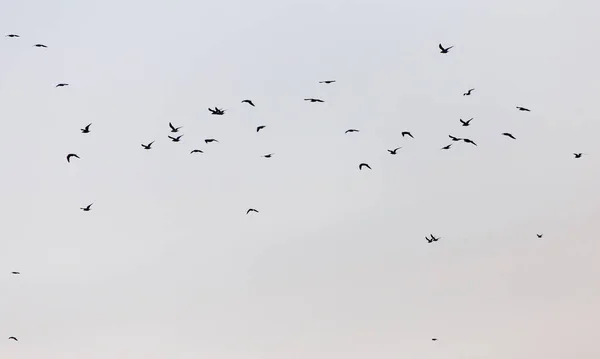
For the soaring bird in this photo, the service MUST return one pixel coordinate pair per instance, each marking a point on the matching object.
(86, 129)
(71, 155)
(39, 45)
(446, 147)
(251, 210)
(209, 140)
(394, 151)
(454, 138)
(466, 123)
(248, 102)
(13, 338)
(62, 85)
(196, 151)
(509, 135)
(175, 139)
(539, 235)
(578, 155)
(469, 141)
(351, 130)
(260, 127)
(468, 93)
(444, 50)
(148, 146)
(326, 81)
(313, 100)
(360, 167)
(15, 273)
(406, 133)
(269, 155)
(12, 35)
(523, 109)
(216, 111)
(173, 128)
(87, 208)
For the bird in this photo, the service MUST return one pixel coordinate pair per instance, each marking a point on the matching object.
(12, 35)
(444, 50)
(176, 139)
(360, 167)
(434, 239)
(446, 147)
(71, 155)
(578, 155)
(196, 151)
(15, 273)
(40, 45)
(434, 339)
(468, 93)
(469, 141)
(260, 127)
(269, 155)
(313, 100)
(523, 109)
(148, 146)
(539, 235)
(454, 138)
(406, 133)
(326, 81)
(173, 128)
(351, 130)
(209, 140)
(86, 129)
(429, 240)
(249, 102)
(394, 151)
(87, 208)
(251, 210)
(216, 111)
(509, 135)
(466, 123)
(62, 85)
(13, 338)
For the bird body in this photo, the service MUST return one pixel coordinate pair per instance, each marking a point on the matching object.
(523, 109)
(40, 45)
(148, 146)
(209, 140)
(173, 128)
(12, 35)
(313, 100)
(269, 155)
(539, 235)
(454, 138)
(466, 123)
(216, 111)
(71, 155)
(15, 273)
(327, 81)
(351, 130)
(394, 151)
(251, 210)
(260, 127)
(87, 208)
(509, 135)
(196, 151)
(176, 139)
(444, 50)
(446, 147)
(62, 85)
(86, 129)
(469, 141)
(360, 166)
(406, 133)
(13, 338)
(248, 102)
(578, 155)
(468, 93)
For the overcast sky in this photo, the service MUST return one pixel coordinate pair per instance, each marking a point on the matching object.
(168, 265)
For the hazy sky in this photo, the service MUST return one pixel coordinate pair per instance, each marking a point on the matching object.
(335, 265)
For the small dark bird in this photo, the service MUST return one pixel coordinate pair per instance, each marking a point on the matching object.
(249, 102)
(62, 85)
(209, 140)
(12, 35)
(394, 151)
(87, 208)
(578, 155)
(466, 123)
(435, 239)
(326, 81)
(15, 273)
(196, 151)
(360, 167)
(468, 93)
(454, 138)
(71, 155)
(313, 100)
(251, 210)
(434, 339)
(446, 147)
(40, 45)
(176, 139)
(406, 133)
(268, 155)
(216, 111)
(86, 129)
(351, 130)
(429, 240)
(469, 141)
(444, 50)
(13, 338)
(148, 146)
(173, 128)
(260, 128)
(539, 235)
(523, 109)
(509, 135)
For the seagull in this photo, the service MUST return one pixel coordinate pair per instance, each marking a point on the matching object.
(148, 146)
(578, 155)
(88, 208)
(469, 141)
(509, 135)
(248, 102)
(39, 45)
(196, 151)
(454, 138)
(351, 130)
(394, 151)
(466, 123)
(360, 167)
(173, 128)
(523, 109)
(444, 50)
(12, 35)
(209, 140)
(71, 155)
(468, 93)
(13, 338)
(268, 155)
(326, 81)
(62, 85)
(260, 128)
(313, 100)
(216, 111)
(86, 129)
(15, 273)
(251, 210)
(406, 133)
(175, 139)
(446, 147)
(539, 235)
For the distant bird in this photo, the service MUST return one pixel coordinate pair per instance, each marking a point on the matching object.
(326, 81)
(539, 235)
(351, 130)
(148, 146)
(313, 100)
(509, 135)
(268, 155)
(173, 128)
(523, 109)
(454, 138)
(71, 155)
(435, 239)
(260, 128)
(434, 339)
(578, 155)
(216, 111)
(468, 93)
(86, 129)
(62, 85)
(87, 208)
(13, 338)
(15, 273)
(429, 240)
(444, 50)
(394, 151)
(249, 102)
(406, 133)
(446, 147)
(40, 45)
(251, 210)
(209, 140)
(12, 35)
(360, 167)
(196, 151)
(469, 141)
(466, 123)
(175, 139)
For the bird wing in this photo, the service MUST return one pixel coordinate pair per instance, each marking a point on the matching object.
(173, 138)
(441, 47)
(171, 125)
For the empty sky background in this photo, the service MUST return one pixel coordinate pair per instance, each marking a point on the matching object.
(335, 265)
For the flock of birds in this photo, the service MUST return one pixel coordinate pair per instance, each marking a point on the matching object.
(220, 112)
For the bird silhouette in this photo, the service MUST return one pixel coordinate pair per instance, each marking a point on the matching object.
(446, 147)
(360, 167)
(13, 338)
(394, 151)
(249, 102)
(454, 138)
(86, 129)
(175, 139)
(251, 210)
(12, 35)
(327, 81)
(260, 128)
(173, 128)
(429, 240)
(509, 135)
(444, 50)
(70, 155)
(209, 140)
(62, 85)
(148, 146)
(469, 141)
(468, 93)
(539, 235)
(87, 208)
(578, 155)
(40, 45)
(434, 239)
(15, 273)
(313, 100)
(434, 339)
(466, 123)
(523, 109)
(196, 151)
(351, 130)
(406, 133)
(268, 155)
(216, 111)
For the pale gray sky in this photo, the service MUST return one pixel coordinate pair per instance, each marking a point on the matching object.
(167, 264)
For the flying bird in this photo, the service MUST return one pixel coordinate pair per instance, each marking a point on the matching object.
(406, 133)
(468, 93)
(260, 128)
(87, 208)
(578, 155)
(313, 100)
(469, 141)
(326, 81)
(509, 135)
(539, 235)
(466, 123)
(434, 239)
(148, 146)
(251, 210)
(249, 102)
(434, 339)
(209, 140)
(40, 45)
(62, 85)
(394, 151)
(429, 240)
(454, 138)
(173, 128)
(86, 129)
(444, 50)
(71, 155)
(446, 147)
(13, 338)
(196, 151)
(360, 167)
(12, 35)
(268, 155)
(175, 139)
(351, 130)
(216, 111)
(523, 109)
(15, 273)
